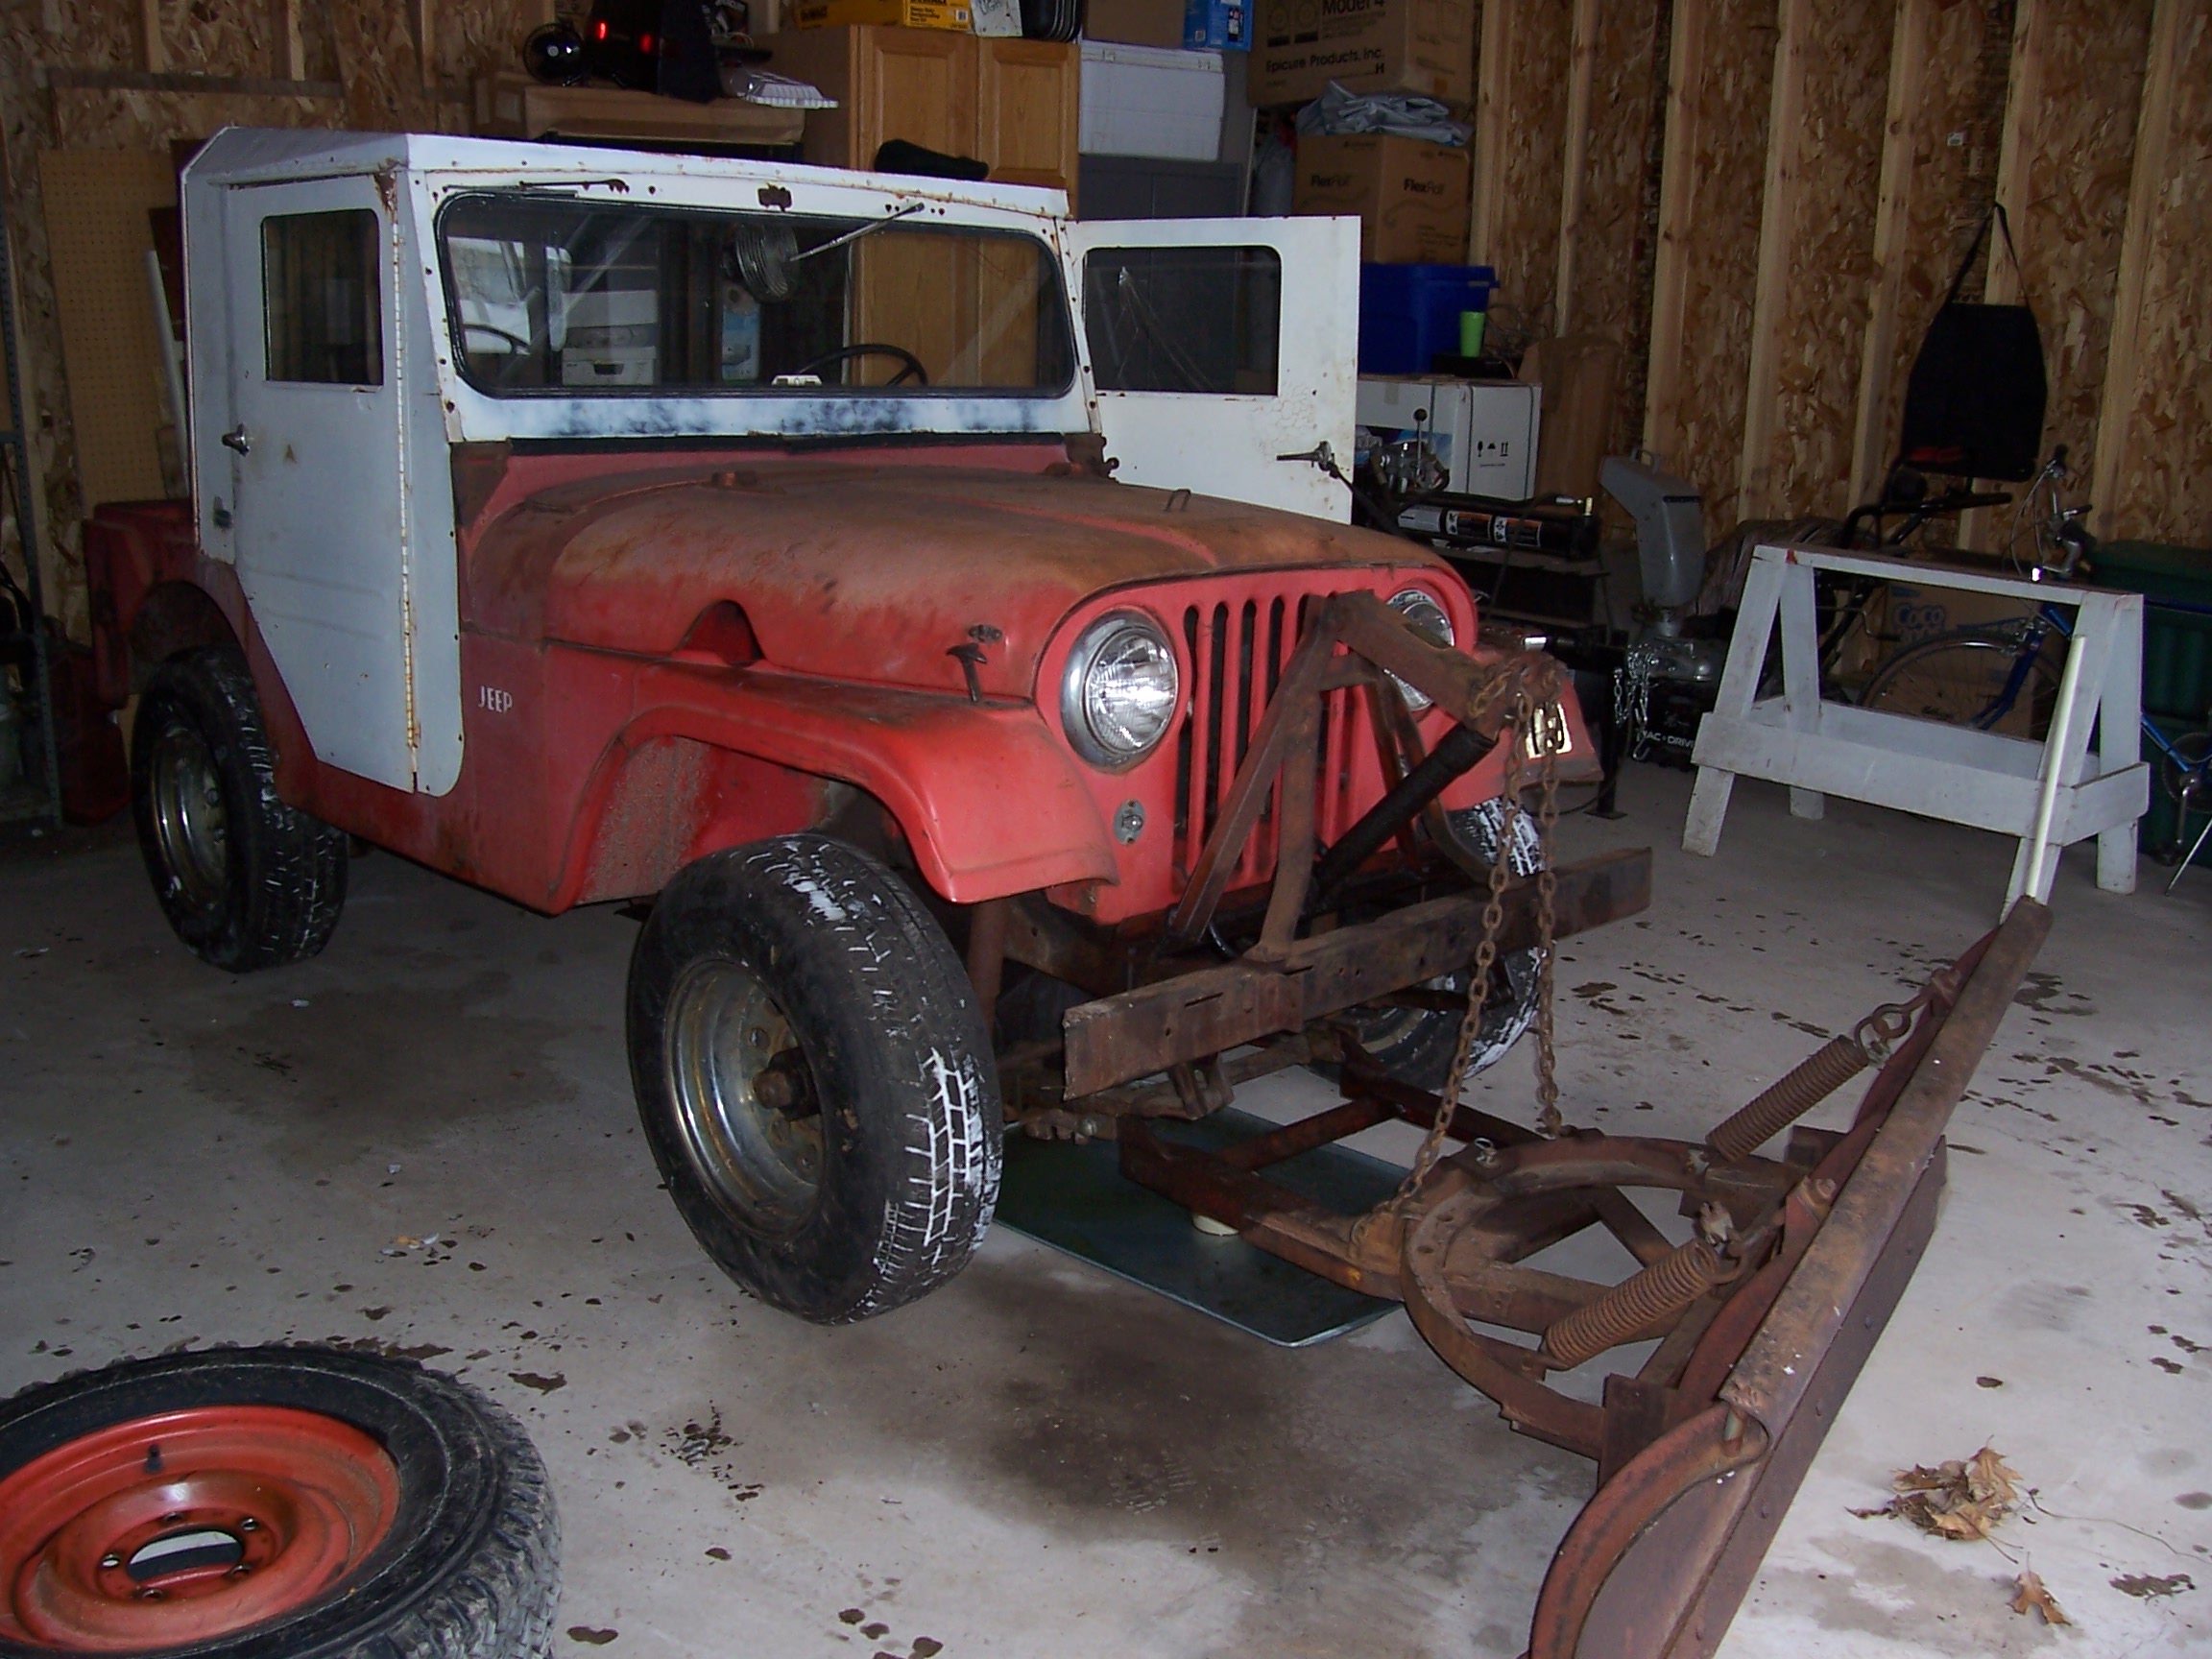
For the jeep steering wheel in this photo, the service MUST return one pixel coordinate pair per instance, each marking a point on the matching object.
(870, 348)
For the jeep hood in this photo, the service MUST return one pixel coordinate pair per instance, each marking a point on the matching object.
(863, 571)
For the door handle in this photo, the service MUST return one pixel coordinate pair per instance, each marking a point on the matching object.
(237, 439)
(1322, 455)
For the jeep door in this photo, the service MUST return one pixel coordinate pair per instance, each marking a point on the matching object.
(1224, 353)
(317, 531)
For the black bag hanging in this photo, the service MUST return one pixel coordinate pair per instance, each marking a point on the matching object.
(1974, 405)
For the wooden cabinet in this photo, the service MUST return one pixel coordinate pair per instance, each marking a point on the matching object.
(1011, 104)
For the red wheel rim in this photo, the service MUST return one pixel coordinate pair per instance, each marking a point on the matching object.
(185, 1526)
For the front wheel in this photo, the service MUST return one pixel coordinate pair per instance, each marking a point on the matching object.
(1415, 1045)
(814, 1077)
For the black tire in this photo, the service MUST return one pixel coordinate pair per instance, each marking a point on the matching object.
(245, 880)
(801, 972)
(1959, 678)
(1415, 1045)
(470, 1567)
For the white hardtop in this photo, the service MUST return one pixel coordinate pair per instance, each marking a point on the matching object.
(267, 155)
(325, 481)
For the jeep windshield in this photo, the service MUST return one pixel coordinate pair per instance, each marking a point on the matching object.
(560, 296)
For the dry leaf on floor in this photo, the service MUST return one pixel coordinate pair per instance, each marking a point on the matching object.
(2033, 1597)
(1962, 1499)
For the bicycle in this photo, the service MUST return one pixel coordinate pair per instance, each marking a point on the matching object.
(1977, 676)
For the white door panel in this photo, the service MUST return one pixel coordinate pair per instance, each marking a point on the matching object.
(1219, 347)
(315, 461)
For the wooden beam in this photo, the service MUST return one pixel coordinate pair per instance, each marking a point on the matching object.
(2146, 184)
(1677, 200)
(290, 43)
(1771, 291)
(1582, 73)
(1902, 137)
(154, 49)
(1493, 88)
(2015, 154)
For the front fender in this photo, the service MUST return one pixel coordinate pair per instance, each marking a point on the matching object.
(987, 798)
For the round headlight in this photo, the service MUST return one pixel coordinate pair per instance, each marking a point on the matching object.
(1121, 691)
(1425, 614)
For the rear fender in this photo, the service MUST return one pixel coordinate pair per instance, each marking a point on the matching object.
(987, 799)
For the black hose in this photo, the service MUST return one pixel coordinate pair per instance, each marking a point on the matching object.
(1459, 751)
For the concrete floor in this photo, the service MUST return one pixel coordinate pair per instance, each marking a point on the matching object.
(1040, 1461)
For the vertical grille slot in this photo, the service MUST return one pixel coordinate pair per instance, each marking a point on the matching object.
(1237, 652)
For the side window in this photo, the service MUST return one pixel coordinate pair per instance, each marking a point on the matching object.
(322, 312)
(1184, 319)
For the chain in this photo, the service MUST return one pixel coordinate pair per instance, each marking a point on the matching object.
(1526, 715)
(1547, 1119)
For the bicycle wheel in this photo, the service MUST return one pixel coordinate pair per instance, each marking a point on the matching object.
(1960, 678)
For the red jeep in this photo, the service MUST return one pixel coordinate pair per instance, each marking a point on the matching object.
(941, 611)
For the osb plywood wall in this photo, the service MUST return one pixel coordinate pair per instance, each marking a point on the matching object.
(138, 76)
(1771, 198)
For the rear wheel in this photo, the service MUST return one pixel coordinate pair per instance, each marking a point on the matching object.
(1415, 1045)
(814, 1077)
(245, 880)
(271, 1504)
(1961, 679)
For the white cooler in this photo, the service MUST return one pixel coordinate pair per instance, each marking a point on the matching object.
(1150, 101)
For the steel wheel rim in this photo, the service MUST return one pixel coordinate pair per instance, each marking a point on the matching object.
(187, 1526)
(762, 1162)
(189, 820)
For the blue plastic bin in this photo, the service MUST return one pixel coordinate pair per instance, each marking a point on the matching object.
(1410, 313)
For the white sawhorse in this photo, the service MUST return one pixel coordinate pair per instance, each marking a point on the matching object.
(2049, 794)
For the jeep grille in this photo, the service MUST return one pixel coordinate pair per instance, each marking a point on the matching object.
(1237, 652)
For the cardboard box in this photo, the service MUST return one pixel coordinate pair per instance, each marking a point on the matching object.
(1411, 196)
(1217, 25)
(1424, 46)
(1135, 22)
(899, 14)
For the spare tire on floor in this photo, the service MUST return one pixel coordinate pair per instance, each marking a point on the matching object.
(276, 1503)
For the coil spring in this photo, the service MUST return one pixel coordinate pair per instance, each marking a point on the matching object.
(1781, 1104)
(1667, 1287)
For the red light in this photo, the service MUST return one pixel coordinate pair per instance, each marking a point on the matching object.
(645, 44)
(599, 29)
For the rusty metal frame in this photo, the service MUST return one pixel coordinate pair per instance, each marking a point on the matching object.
(1284, 982)
(1748, 1372)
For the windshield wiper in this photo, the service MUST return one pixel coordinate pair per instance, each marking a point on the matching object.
(891, 218)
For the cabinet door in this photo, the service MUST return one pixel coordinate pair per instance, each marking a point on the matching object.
(1028, 94)
(918, 85)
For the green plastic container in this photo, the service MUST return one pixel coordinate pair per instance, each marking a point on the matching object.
(2176, 644)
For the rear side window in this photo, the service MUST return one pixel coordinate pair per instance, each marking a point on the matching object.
(321, 310)
(1184, 319)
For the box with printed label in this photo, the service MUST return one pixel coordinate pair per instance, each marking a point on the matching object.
(1217, 25)
(899, 14)
(1484, 432)
(1424, 46)
(1411, 196)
